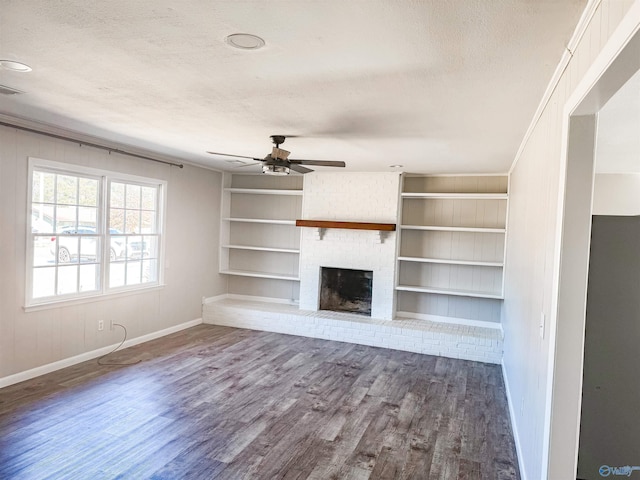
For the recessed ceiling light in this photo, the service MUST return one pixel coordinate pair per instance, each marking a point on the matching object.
(396, 166)
(245, 41)
(14, 66)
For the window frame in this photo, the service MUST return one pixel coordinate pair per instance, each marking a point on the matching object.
(105, 178)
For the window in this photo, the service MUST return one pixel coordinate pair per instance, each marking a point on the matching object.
(91, 232)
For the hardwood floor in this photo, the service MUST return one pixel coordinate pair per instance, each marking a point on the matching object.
(218, 402)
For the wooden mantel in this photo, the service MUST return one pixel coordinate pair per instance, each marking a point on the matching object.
(382, 227)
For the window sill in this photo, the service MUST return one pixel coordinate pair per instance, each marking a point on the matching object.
(90, 298)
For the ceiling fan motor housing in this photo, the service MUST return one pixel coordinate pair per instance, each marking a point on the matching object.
(279, 153)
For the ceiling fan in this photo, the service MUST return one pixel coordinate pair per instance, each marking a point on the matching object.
(279, 163)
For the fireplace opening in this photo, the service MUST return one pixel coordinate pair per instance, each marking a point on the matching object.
(346, 290)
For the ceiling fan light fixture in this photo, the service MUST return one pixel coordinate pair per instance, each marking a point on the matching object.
(245, 41)
(275, 169)
(15, 66)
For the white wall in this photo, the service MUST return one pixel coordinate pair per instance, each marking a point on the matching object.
(35, 339)
(616, 194)
(534, 189)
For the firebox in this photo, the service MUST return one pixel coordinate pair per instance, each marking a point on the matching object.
(346, 290)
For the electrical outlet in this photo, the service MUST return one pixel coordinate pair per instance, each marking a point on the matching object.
(100, 325)
(111, 325)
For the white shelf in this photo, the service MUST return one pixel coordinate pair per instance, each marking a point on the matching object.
(260, 220)
(446, 261)
(263, 191)
(456, 196)
(262, 249)
(449, 291)
(453, 229)
(247, 273)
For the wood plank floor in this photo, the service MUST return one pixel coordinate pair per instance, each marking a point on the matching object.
(218, 402)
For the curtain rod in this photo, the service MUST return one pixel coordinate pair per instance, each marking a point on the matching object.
(88, 144)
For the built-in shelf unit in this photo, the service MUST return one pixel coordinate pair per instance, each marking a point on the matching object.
(452, 246)
(259, 241)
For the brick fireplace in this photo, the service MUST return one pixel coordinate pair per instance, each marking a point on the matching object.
(355, 197)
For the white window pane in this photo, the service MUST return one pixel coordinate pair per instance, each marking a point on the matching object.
(44, 282)
(89, 249)
(67, 192)
(132, 221)
(67, 248)
(40, 221)
(149, 271)
(88, 217)
(116, 219)
(148, 222)
(66, 217)
(148, 201)
(42, 189)
(89, 277)
(135, 247)
(150, 246)
(117, 248)
(117, 195)
(116, 274)
(42, 251)
(134, 273)
(88, 192)
(67, 279)
(133, 196)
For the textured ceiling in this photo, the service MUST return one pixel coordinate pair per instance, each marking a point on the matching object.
(437, 86)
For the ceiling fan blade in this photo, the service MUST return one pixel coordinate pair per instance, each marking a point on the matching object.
(248, 165)
(299, 168)
(230, 155)
(320, 163)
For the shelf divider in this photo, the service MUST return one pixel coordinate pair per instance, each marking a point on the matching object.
(447, 261)
(449, 291)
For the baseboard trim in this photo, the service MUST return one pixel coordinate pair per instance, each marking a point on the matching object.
(514, 429)
(453, 320)
(83, 357)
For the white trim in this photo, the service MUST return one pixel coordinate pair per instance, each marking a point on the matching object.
(91, 298)
(578, 33)
(450, 320)
(83, 357)
(514, 430)
(215, 298)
